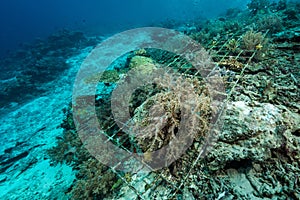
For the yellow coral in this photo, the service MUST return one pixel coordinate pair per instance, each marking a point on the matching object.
(142, 64)
(259, 47)
(140, 52)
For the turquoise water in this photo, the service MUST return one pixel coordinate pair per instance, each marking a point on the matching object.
(190, 99)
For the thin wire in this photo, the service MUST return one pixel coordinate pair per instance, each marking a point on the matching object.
(158, 177)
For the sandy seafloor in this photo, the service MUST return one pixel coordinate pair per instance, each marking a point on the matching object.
(31, 129)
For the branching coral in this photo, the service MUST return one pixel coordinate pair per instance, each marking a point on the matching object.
(65, 150)
(271, 23)
(258, 6)
(233, 45)
(281, 5)
(96, 181)
(69, 147)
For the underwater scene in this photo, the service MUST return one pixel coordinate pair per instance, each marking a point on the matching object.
(138, 100)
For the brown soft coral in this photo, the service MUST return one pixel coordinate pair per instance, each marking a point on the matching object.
(252, 39)
(183, 106)
(255, 42)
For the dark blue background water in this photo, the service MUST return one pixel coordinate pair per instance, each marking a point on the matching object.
(24, 20)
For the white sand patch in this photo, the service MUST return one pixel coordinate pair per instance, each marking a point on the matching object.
(26, 134)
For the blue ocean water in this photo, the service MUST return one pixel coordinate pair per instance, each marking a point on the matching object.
(174, 99)
(23, 22)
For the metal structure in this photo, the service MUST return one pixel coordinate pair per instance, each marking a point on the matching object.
(150, 184)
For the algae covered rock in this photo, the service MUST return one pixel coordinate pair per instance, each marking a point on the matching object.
(292, 135)
(250, 132)
(108, 76)
(142, 64)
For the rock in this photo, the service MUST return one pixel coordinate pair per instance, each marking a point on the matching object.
(250, 132)
(142, 64)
